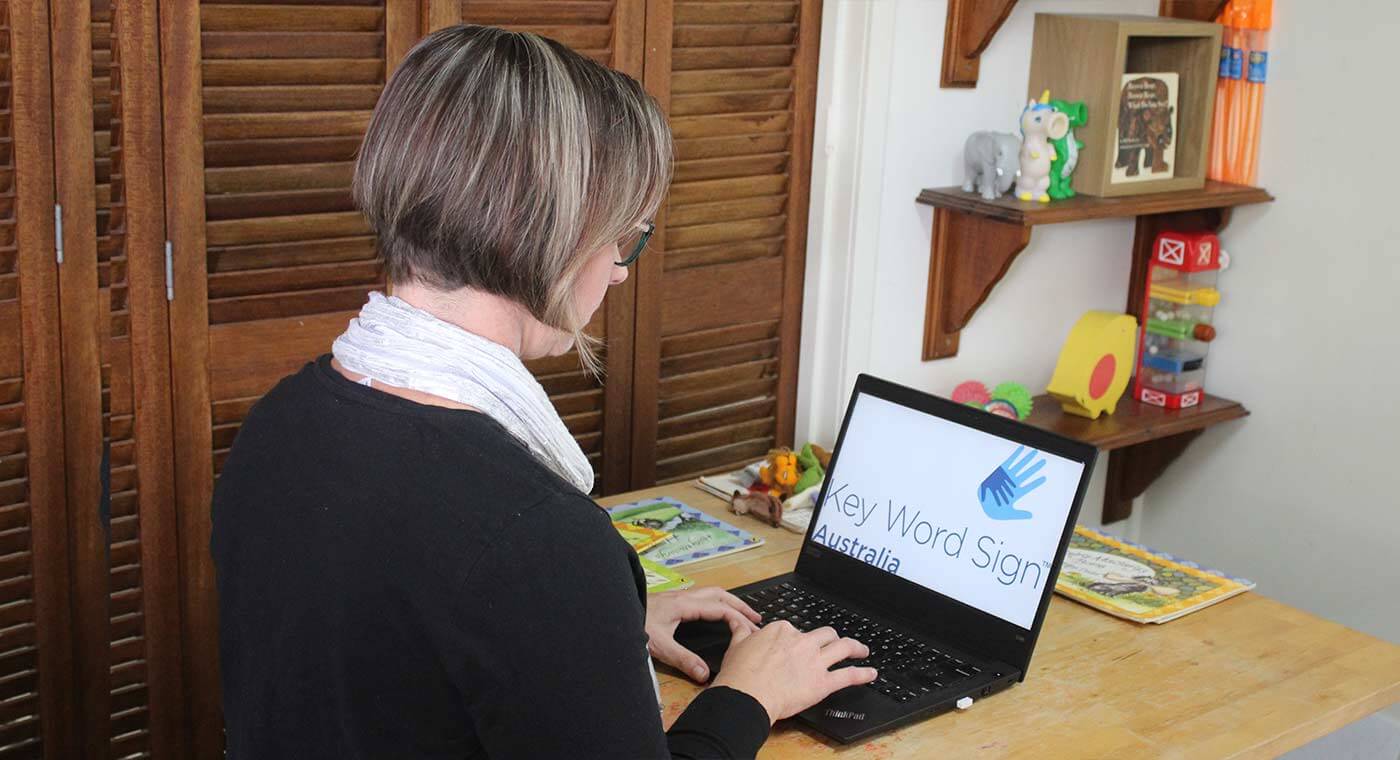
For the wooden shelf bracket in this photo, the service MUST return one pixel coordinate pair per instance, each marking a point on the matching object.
(970, 28)
(969, 256)
(1131, 470)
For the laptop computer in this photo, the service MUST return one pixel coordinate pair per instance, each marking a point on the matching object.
(935, 541)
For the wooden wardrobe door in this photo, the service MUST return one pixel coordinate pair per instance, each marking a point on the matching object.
(71, 66)
(38, 694)
(146, 703)
(597, 411)
(125, 698)
(718, 314)
(110, 558)
(264, 108)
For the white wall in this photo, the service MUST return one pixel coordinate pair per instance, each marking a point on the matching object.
(1304, 495)
(885, 130)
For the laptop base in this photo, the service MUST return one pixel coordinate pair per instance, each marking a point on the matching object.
(858, 712)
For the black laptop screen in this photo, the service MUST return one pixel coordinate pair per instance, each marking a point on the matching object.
(965, 513)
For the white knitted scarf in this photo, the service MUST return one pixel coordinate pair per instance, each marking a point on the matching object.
(395, 343)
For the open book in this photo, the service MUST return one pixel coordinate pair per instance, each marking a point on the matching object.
(1130, 581)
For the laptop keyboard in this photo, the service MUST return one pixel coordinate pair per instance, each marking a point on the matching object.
(909, 668)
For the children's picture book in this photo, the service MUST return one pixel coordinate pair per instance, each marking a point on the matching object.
(641, 538)
(661, 578)
(1133, 582)
(1146, 128)
(694, 534)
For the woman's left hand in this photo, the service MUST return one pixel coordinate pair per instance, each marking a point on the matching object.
(670, 608)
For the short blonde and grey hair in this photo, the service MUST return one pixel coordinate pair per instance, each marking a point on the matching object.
(500, 160)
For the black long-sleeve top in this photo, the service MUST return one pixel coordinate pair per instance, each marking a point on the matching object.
(406, 581)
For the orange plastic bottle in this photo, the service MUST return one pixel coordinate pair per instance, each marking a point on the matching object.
(1257, 25)
(1221, 123)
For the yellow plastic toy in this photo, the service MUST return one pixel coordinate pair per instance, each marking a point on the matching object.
(1202, 296)
(780, 472)
(1095, 364)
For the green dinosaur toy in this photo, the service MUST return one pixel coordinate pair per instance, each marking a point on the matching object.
(811, 466)
(1066, 155)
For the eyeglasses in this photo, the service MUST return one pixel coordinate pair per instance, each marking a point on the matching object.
(635, 242)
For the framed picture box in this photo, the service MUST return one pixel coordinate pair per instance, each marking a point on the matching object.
(1146, 82)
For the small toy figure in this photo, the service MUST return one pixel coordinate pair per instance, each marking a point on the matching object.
(1039, 125)
(780, 473)
(1066, 149)
(763, 505)
(812, 462)
(1178, 305)
(782, 480)
(990, 162)
(1010, 400)
(1094, 365)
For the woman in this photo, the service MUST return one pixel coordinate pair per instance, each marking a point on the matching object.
(408, 563)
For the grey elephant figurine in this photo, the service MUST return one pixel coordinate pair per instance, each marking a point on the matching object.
(992, 161)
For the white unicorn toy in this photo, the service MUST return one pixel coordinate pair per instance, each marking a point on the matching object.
(1040, 123)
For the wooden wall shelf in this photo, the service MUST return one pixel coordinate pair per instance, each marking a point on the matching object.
(975, 241)
(1142, 439)
(1135, 422)
(1085, 207)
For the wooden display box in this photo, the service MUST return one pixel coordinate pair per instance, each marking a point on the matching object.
(1085, 58)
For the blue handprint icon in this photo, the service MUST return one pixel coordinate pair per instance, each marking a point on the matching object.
(1007, 484)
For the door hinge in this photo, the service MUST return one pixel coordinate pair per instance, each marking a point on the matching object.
(58, 231)
(169, 272)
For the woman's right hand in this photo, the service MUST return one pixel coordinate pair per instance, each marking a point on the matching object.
(786, 670)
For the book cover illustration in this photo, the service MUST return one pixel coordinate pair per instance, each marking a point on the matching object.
(694, 534)
(1146, 128)
(640, 538)
(661, 578)
(1130, 581)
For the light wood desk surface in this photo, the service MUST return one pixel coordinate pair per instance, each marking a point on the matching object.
(1249, 677)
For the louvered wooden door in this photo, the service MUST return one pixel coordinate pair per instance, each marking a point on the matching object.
(75, 151)
(264, 107)
(598, 411)
(121, 646)
(38, 695)
(719, 309)
(127, 732)
(145, 703)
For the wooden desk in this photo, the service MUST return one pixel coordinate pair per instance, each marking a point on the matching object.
(1249, 677)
